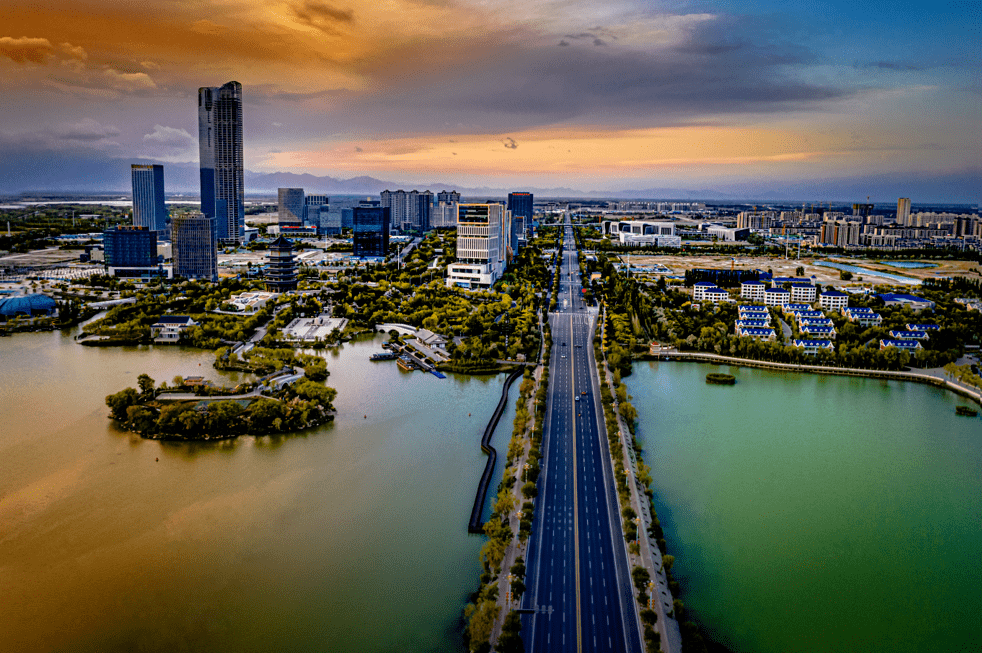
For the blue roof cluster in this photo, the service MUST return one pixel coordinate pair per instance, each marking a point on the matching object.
(27, 305)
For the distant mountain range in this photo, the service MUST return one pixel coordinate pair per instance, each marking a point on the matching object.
(113, 176)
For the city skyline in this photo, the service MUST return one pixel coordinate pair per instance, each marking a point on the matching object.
(731, 96)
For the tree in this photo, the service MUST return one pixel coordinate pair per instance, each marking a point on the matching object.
(529, 491)
(641, 577)
(481, 618)
(140, 418)
(845, 275)
(799, 271)
(667, 561)
(510, 640)
(118, 403)
(147, 385)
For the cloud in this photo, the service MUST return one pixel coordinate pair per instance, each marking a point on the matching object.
(510, 143)
(207, 27)
(358, 149)
(894, 65)
(74, 51)
(169, 137)
(87, 130)
(128, 81)
(322, 16)
(150, 65)
(26, 49)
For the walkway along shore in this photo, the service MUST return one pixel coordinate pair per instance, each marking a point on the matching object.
(918, 377)
(476, 524)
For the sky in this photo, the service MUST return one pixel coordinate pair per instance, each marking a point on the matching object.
(507, 93)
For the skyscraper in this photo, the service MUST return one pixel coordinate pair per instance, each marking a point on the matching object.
(149, 209)
(316, 210)
(195, 248)
(220, 149)
(903, 211)
(520, 205)
(371, 225)
(410, 211)
(448, 197)
(291, 206)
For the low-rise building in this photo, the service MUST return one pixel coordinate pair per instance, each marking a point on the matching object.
(716, 295)
(833, 300)
(923, 327)
(909, 345)
(761, 334)
(818, 330)
(751, 324)
(748, 312)
(776, 297)
(795, 308)
(699, 290)
(899, 299)
(752, 290)
(862, 315)
(250, 302)
(168, 328)
(808, 315)
(803, 293)
(812, 347)
(909, 335)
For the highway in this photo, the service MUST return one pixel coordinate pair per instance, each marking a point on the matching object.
(579, 585)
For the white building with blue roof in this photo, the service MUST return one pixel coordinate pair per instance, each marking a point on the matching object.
(761, 334)
(776, 297)
(820, 330)
(862, 315)
(900, 299)
(812, 347)
(753, 290)
(923, 327)
(909, 345)
(803, 292)
(791, 308)
(833, 300)
(909, 335)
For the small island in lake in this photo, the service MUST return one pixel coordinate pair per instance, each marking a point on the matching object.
(284, 402)
(717, 378)
(966, 411)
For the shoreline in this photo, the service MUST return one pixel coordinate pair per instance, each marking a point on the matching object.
(916, 377)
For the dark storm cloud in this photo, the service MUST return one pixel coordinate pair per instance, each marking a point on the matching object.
(322, 16)
(724, 66)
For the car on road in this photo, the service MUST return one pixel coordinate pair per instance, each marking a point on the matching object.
(576, 398)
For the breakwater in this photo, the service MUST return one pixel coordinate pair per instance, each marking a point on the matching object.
(475, 524)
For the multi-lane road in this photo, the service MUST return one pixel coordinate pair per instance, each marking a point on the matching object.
(577, 569)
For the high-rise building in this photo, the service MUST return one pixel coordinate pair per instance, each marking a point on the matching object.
(448, 197)
(220, 150)
(480, 258)
(281, 270)
(410, 211)
(520, 205)
(149, 209)
(371, 227)
(291, 205)
(130, 247)
(195, 247)
(903, 211)
(316, 212)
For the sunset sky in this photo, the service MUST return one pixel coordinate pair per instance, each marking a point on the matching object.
(589, 95)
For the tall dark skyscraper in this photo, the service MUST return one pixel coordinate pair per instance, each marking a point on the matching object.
(220, 148)
(149, 209)
(195, 255)
(520, 205)
(371, 225)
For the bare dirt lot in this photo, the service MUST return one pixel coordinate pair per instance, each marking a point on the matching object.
(782, 267)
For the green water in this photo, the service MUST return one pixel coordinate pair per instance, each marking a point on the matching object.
(352, 537)
(812, 513)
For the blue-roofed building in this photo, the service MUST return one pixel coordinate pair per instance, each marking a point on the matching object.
(776, 296)
(833, 300)
(812, 347)
(900, 299)
(791, 308)
(792, 280)
(862, 315)
(761, 334)
(751, 324)
(816, 321)
(803, 292)
(909, 345)
(923, 327)
(808, 315)
(820, 330)
(753, 290)
(909, 335)
(36, 305)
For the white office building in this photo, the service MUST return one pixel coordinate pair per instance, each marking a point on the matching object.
(480, 255)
